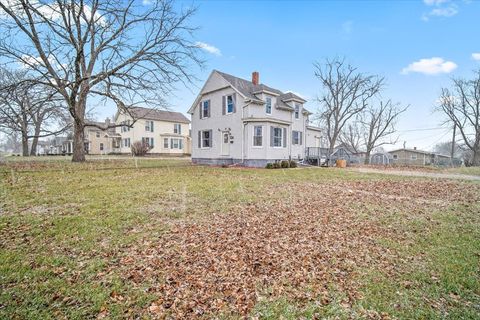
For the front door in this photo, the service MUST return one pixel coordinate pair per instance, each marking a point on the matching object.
(225, 143)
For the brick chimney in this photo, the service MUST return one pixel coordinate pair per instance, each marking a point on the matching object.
(255, 77)
(414, 148)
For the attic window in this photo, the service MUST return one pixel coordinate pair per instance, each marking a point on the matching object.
(229, 104)
(297, 111)
(268, 106)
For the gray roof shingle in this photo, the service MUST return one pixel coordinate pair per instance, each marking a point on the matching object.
(155, 114)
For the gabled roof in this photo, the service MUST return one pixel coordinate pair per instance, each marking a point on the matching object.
(249, 91)
(155, 114)
(289, 96)
(247, 88)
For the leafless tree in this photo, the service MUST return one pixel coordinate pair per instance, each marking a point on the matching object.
(461, 106)
(30, 109)
(346, 93)
(352, 136)
(124, 52)
(378, 122)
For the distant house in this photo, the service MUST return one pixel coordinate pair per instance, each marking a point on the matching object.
(166, 132)
(238, 121)
(417, 157)
(98, 139)
(381, 158)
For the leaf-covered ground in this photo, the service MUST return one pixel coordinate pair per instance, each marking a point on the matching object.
(163, 239)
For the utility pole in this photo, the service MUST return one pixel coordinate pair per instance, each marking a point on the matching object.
(452, 152)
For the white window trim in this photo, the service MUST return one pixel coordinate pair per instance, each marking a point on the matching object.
(226, 104)
(203, 109)
(295, 112)
(253, 139)
(202, 139)
(281, 138)
(268, 113)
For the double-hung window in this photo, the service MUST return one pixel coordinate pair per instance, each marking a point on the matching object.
(206, 138)
(176, 143)
(295, 137)
(165, 143)
(148, 141)
(230, 104)
(149, 126)
(177, 128)
(257, 136)
(297, 110)
(126, 126)
(268, 106)
(206, 109)
(126, 142)
(277, 137)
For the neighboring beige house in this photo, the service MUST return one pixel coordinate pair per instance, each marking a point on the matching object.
(417, 157)
(166, 132)
(236, 121)
(96, 139)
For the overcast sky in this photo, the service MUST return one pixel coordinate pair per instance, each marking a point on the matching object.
(417, 45)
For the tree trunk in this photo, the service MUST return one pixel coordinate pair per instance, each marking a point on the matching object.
(476, 158)
(367, 157)
(24, 145)
(38, 127)
(78, 143)
(33, 148)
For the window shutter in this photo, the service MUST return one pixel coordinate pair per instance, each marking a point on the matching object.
(271, 136)
(293, 137)
(200, 108)
(224, 105)
(284, 137)
(181, 143)
(234, 97)
(210, 138)
(199, 139)
(151, 128)
(179, 129)
(301, 137)
(209, 108)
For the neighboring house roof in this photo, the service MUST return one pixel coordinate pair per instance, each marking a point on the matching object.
(250, 91)
(100, 124)
(420, 152)
(160, 115)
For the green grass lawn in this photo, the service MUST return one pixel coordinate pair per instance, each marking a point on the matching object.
(119, 238)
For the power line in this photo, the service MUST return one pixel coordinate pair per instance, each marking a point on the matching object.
(421, 129)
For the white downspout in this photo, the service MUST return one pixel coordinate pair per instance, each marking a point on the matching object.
(243, 131)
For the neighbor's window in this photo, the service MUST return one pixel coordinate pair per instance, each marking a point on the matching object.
(413, 157)
(149, 126)
(148, 141)
(101, 146)
(257, 136)
(165, 143)
(126, 142)
(229, 104)
(206, 139)
(277, 137)
(206, 109)
(297, 111)
(176, 143)
(177, 128)
(98, 134)
(126, 126)
(268, 106)
(395, 156)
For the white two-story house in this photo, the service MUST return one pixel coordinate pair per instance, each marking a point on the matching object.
(236, 121)
(166, 132)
